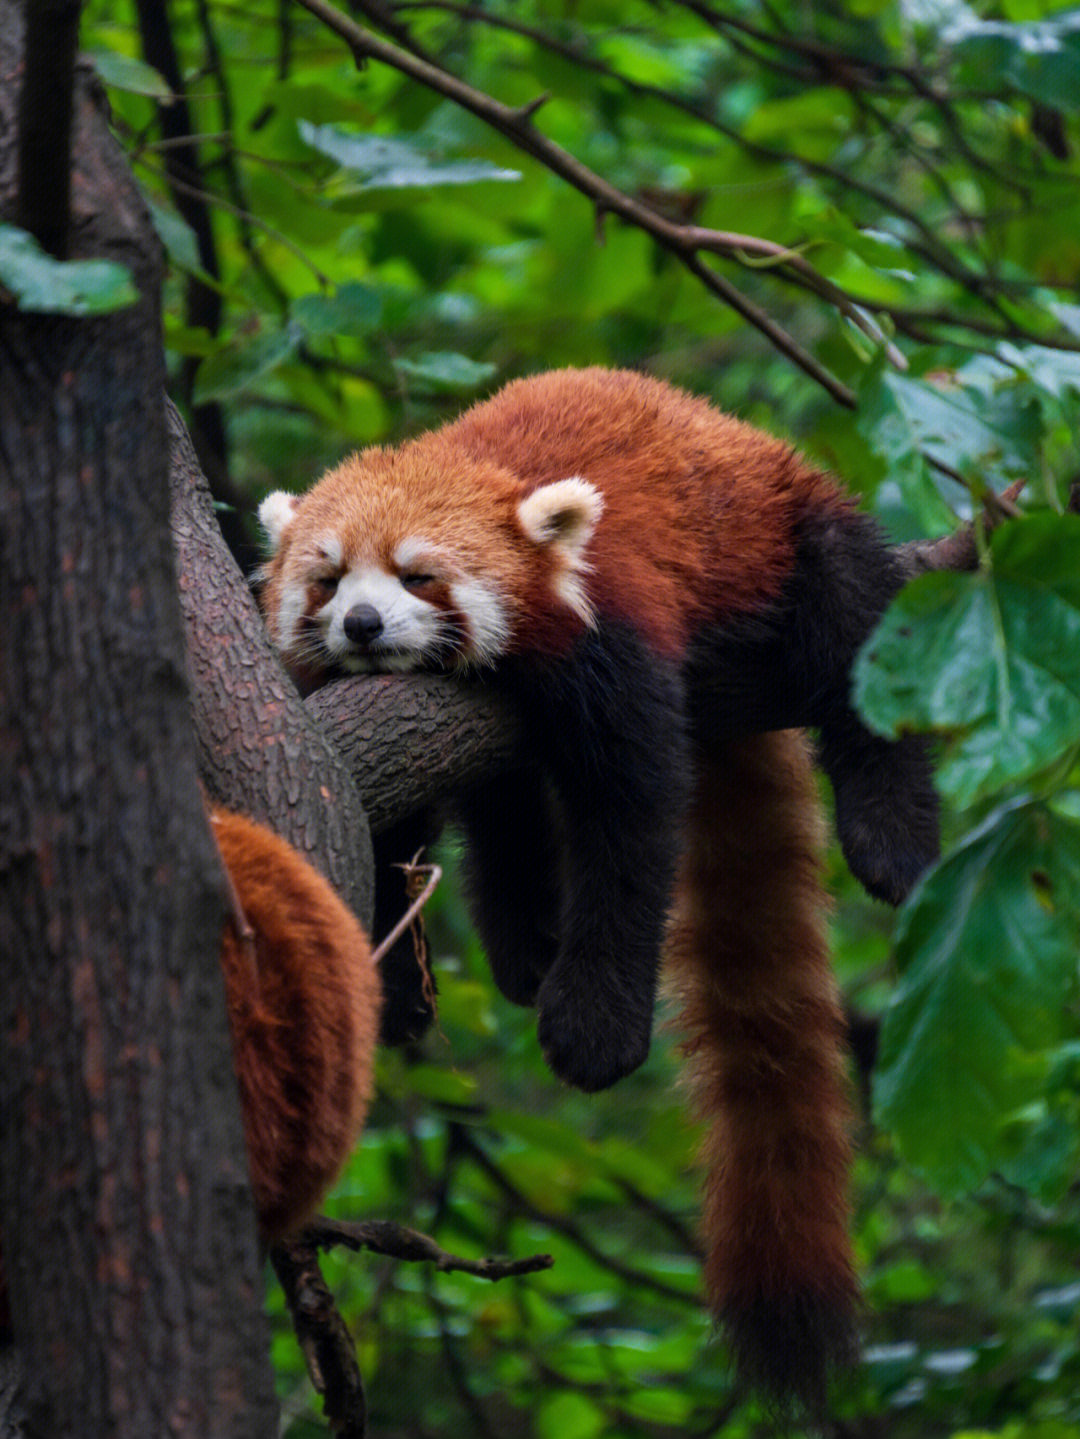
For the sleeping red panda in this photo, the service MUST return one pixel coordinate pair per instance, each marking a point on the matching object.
(657, 584)
(304, 1026)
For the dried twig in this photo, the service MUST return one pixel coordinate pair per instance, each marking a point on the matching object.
(382, 1236)
(412, 914)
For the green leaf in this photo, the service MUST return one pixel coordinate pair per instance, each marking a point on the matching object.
(125, 72)
(60, 287)
(990, 660)
(965, 429)
(178, 238)
(382, 162)
(445, 371)
(1040, 58)
(237, 366)
(988, 948)
(352, 309)
(568, 1416)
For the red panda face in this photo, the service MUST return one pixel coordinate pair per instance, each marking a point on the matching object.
(416, 558)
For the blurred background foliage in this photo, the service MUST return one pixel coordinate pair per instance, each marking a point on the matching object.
(354, 256)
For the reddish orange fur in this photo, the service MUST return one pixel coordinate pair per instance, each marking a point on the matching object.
(748, 957)
(304, 1041)
(698, 507)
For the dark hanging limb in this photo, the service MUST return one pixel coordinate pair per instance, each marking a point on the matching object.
(322, 1333)
(323, 1337)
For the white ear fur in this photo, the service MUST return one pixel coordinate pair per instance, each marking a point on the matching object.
(562, 514)
(276, 515)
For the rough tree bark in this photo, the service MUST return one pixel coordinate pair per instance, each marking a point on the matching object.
(259, 749)
(128, 1227)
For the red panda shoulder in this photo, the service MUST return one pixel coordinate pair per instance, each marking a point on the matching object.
(699, 508)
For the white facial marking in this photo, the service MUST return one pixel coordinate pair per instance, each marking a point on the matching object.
(416, 548)
(276, 515)
(412, 628)
(291, 604)
(329, 548)
(486, 617)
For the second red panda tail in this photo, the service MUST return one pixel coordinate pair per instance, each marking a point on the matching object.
(764, 1045)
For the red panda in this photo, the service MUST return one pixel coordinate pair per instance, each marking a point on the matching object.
(303, 1023)
(658, 585)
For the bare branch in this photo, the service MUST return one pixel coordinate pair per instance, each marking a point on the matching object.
(958, 551)
(382, 1236)
(324, 1339)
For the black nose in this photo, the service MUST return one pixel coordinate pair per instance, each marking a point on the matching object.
(362, 624)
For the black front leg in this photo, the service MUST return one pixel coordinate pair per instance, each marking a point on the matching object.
(610, 730)
(512, 876)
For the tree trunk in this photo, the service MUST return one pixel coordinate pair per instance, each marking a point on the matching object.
(124, 1203)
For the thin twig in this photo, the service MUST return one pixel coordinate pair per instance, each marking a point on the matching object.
(959, 550)
(382, 1236)
(434, 873)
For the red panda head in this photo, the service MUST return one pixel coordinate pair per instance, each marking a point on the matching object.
(421, 557)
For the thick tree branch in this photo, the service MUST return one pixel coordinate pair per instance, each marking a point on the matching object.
(415, 740)
(259, 751)
(129, 1236)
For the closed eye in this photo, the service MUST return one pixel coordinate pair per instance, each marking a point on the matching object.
(326, 584)
(417, 581)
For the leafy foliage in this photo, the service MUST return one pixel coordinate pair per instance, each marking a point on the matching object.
(60, 287)
(893, 183)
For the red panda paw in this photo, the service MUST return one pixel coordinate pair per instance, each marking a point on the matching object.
(591, 1043)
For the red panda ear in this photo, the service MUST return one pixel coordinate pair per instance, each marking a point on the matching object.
(276, 515)
(561, 518)
(563, 515)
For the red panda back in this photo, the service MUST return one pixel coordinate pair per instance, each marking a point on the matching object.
(304, 1032)
(699, 508)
